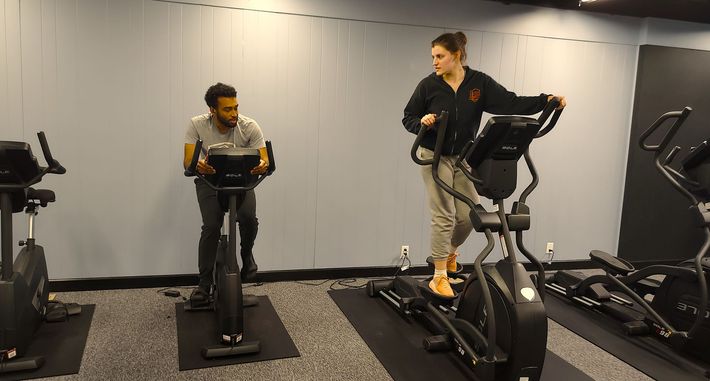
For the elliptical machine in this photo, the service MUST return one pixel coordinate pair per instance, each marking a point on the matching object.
(499, 327)
(233, 176)
(678, 313)
(24, 284)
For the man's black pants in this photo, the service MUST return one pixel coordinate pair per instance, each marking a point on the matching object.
(212, 218)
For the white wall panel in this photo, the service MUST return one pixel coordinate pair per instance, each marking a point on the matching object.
(4, 122)
(118, 81)
(13, 126)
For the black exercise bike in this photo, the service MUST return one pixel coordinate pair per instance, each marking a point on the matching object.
(233, 177)
(24, 284)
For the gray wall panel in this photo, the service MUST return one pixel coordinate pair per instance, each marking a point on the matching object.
(119, 81)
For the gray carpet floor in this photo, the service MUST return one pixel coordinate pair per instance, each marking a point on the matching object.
(133, 337)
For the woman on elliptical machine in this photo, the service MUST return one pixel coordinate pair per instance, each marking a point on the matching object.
(465, 93)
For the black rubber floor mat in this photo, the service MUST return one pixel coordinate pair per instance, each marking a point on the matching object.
(61, 344)
(644, 353)
(196, 330)
(398, 344)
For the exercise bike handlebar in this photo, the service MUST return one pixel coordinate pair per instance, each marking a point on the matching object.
(680, 117)
(192, 169)
(53, 165)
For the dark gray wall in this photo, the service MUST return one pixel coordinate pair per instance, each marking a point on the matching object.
(655, 223)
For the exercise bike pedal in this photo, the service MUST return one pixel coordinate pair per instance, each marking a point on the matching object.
(57, 311)
(250, 300)
(201, 306)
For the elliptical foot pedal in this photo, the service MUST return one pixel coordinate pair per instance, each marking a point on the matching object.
(459, 267)
(243, 348)
(433, 297)
(457, 282)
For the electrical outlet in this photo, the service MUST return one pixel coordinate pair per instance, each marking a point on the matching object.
(550, 248)
(404, 251)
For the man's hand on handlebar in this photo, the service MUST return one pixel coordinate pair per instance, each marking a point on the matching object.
(561, 98)
(428, 120)
(261, 168)
(204, 168)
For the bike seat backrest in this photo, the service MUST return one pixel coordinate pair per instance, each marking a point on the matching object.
(233, 166)
(696, 166)
(17, 166)
(610, 263)
(495, 152)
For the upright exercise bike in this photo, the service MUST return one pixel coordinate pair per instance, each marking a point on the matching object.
(499, 327)
(24, 284)
(678, 312)
(233, 177)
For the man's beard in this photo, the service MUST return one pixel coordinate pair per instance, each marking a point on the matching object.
(226, 122)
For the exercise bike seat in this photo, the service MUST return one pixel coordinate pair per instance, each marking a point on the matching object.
(614, 265)
(44, 196)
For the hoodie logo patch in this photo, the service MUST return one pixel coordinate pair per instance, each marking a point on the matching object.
(474, 95)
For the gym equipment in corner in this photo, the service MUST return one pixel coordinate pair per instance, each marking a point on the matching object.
(677, 313)
(24, 283)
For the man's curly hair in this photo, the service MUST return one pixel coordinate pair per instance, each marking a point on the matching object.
(219, 90)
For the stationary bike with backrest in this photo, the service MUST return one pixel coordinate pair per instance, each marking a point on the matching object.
(24, 285)
(678, 311)
(233, 177)
(499, 326)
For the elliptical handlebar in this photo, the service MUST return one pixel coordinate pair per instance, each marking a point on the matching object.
(441, 120)
(672, 175)
(681, 116)
(549, 108)
(192, 169)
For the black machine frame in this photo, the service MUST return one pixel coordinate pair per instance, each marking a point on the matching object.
(681, 323)
(472, 328)
(24, 284)
(232, 177)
